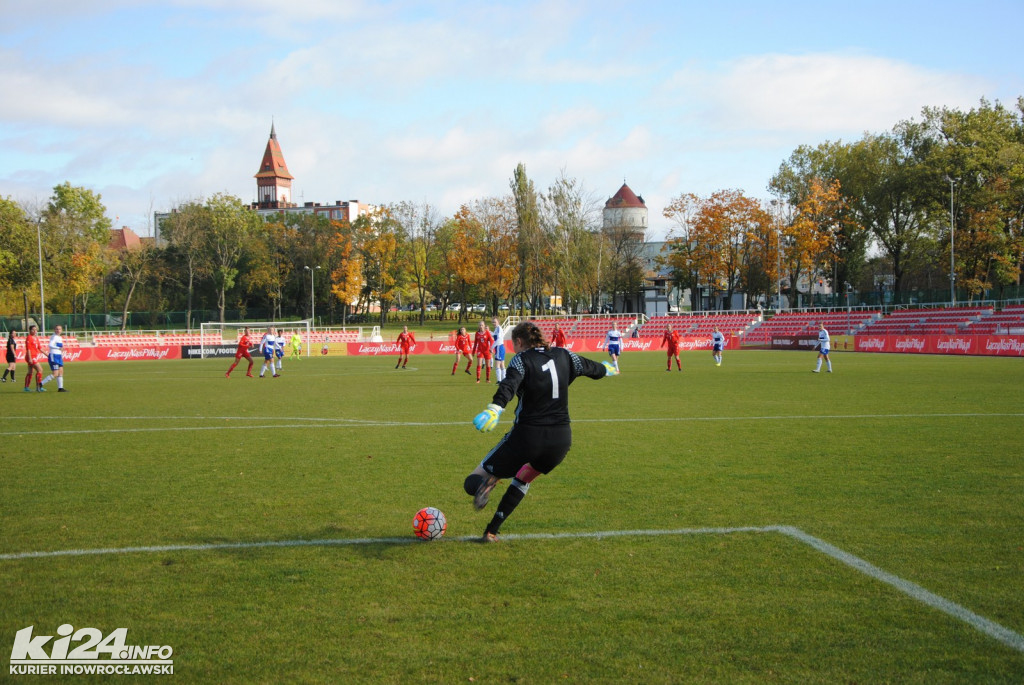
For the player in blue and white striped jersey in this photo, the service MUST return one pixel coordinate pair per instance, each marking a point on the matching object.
(613, 345)
(498, 352)
(717, 345)
(55, 357)
(279, 350)
(824, 344)
(268, 344)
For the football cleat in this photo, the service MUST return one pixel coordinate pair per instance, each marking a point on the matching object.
(483, 493)
(488, 536)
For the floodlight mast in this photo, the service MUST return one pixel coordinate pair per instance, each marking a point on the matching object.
(952, 261)
(42, 296)
(312, 293)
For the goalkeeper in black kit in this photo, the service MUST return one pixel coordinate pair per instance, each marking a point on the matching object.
(539, 375)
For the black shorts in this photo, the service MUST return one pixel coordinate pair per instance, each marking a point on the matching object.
(542, 447)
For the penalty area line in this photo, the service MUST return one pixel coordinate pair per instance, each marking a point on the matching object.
(994, 630)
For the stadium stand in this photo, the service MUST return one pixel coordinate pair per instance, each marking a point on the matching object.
(133, 339)
(806, 323)
(596, 328)
(582, 326)
(698, 325)
(319, 337)
(928, 321)
(547, 326)
(1008, 321)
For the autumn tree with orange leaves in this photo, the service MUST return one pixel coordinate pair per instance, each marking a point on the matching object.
(811, 239)
(719, 235)
(496, 218)
(347, 275)
(465, 258)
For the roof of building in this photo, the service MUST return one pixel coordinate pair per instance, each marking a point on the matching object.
(273, 165)
(625, 198)
(124, 238)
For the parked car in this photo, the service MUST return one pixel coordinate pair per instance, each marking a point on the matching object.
(455, 306)
(479, 308)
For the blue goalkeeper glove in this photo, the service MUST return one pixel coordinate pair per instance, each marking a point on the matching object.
(609, 369)
(486, 420)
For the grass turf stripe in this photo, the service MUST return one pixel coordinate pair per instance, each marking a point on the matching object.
(992, 629)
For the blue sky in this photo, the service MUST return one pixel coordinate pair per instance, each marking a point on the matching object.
(156, 103)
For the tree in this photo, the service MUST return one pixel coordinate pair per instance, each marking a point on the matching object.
(347, 275)
(811, 236)
(442, 281)
(496, 233)
(420, 224)
(979, 159)
(73, 223)
(624, 275)
(231, 225)
(884, 179)
(18, 257)
(719, 238)
(185, 233)
(530, 240)
(305, 241)
(133, 267)
(85, 270)
(466, 258)
(379, 241)
(268, 265)
(680, 245)
(570, 224)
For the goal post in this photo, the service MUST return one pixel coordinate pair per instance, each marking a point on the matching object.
(216, 334)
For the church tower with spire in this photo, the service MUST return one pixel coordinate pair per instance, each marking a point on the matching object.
(273, 181)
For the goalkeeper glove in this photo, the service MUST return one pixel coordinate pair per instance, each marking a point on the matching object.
(486, 420)
(609, 369)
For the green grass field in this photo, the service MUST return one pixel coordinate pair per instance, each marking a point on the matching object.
(914, 464)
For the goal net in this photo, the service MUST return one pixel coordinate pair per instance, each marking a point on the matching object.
(215, 335)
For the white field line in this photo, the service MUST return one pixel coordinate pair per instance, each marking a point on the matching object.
(994, 630)
(990, 628)
(372, 423)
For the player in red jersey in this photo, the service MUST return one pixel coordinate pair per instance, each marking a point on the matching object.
(242, 352)
(671, 338)
(483, 343)
(405, 341)
(32, 355)
(462, 349)
(558, 337)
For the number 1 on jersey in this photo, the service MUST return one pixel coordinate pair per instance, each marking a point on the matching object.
(550, 368)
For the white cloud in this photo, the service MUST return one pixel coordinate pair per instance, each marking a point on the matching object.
(820, 93)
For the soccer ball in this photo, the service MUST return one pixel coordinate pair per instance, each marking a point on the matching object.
(429, 523)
